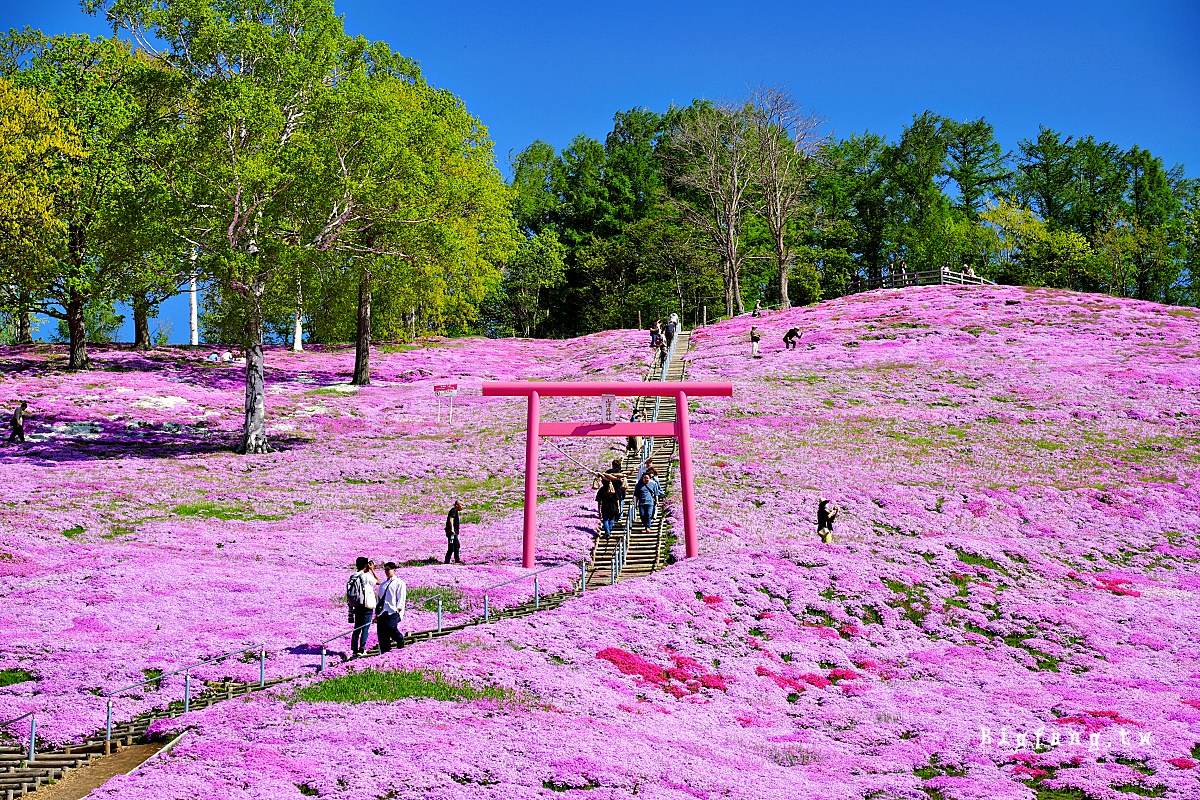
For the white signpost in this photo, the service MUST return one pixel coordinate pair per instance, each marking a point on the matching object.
(441, 390)
(610, 407)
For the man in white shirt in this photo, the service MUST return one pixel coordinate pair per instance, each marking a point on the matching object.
(392, 596)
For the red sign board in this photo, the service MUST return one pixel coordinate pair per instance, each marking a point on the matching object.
(443, 389)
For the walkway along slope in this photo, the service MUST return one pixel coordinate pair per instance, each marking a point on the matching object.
(646, 549)
(646, 552)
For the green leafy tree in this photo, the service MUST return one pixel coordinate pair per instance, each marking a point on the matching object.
(36, 146)
(89, 82)
(975, 163)
(538, 265)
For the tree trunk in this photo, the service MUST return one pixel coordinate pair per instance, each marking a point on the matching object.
(254, 433)
(77, 331)
(193, 305)
(298, 331)
(24, 327)
(141, 322)
(785, 265)
(737, 293)
(362, 338)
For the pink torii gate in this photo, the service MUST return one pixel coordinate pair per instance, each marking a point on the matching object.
(534, 390)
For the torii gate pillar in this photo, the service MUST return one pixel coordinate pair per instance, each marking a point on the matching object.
(679, 430)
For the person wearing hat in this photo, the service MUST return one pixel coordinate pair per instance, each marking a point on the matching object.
(825, 519)
(754, 339)
(393, 594)
(452, 532)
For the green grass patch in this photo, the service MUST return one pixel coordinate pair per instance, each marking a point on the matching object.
(426, 597)
(1133, 788)
(74, 533)
(979, 561)
(567, 787)
(13, 675)
(206, 509)
(371, 685)
(153, 675)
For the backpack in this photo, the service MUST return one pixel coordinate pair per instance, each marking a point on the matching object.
(356, 591)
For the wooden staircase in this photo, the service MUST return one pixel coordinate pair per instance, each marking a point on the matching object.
(647, 549)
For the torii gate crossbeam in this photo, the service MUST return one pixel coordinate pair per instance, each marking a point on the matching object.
(535, 390)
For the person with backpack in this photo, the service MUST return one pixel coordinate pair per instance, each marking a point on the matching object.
(610, 496)
(754, 339)
(393, 595)
(452, 532)
(361, 602)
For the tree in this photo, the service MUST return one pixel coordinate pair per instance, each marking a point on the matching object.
(914, 172)
(710, 167)
(90, 83)
(35, 147)
(538, 264)
(1043, 178)
(975, 162)
(534, 200)
(788, 143)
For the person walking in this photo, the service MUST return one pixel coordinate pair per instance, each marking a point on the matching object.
(754, 339)
(671, 325)
(452, 532)
(633, 444)
(656, 335)
(393, 595)
(791, 339)
(18, 423)
(360, 597)
(825, 518)
(647, 494)
(608, 503)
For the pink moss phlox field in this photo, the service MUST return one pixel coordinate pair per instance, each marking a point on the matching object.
(1009, 604)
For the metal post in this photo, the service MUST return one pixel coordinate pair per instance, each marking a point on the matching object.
(582, 575)
(187, 691)
(531, 480)
(439, 613)
(535, 593)
(485, 607)
(322, 669)
(706, 315)
(262, 666)
(32, 736)
(612, 569)
(686, 486)
(451, 422)
(108, 728)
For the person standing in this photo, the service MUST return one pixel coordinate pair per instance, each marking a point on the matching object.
(646, 494)
(757, 312)
(452, 532)
(360, 597)
(754, 339)
(18, 423)
(393, 595)
(791, 339)
(825, 518)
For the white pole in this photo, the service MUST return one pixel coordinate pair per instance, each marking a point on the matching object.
(192, 302)
(451, 409)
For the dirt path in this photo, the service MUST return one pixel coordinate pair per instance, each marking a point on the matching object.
(80, 782)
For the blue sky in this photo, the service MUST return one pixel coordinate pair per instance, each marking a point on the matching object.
(1126, 72)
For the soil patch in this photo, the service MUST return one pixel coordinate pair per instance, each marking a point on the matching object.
(80, 782)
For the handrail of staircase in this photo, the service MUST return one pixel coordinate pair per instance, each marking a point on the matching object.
(621, 552)
(32, 730)
(536, 588)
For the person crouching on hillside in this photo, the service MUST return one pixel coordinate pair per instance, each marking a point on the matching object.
(825, 518)
(791, 339)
